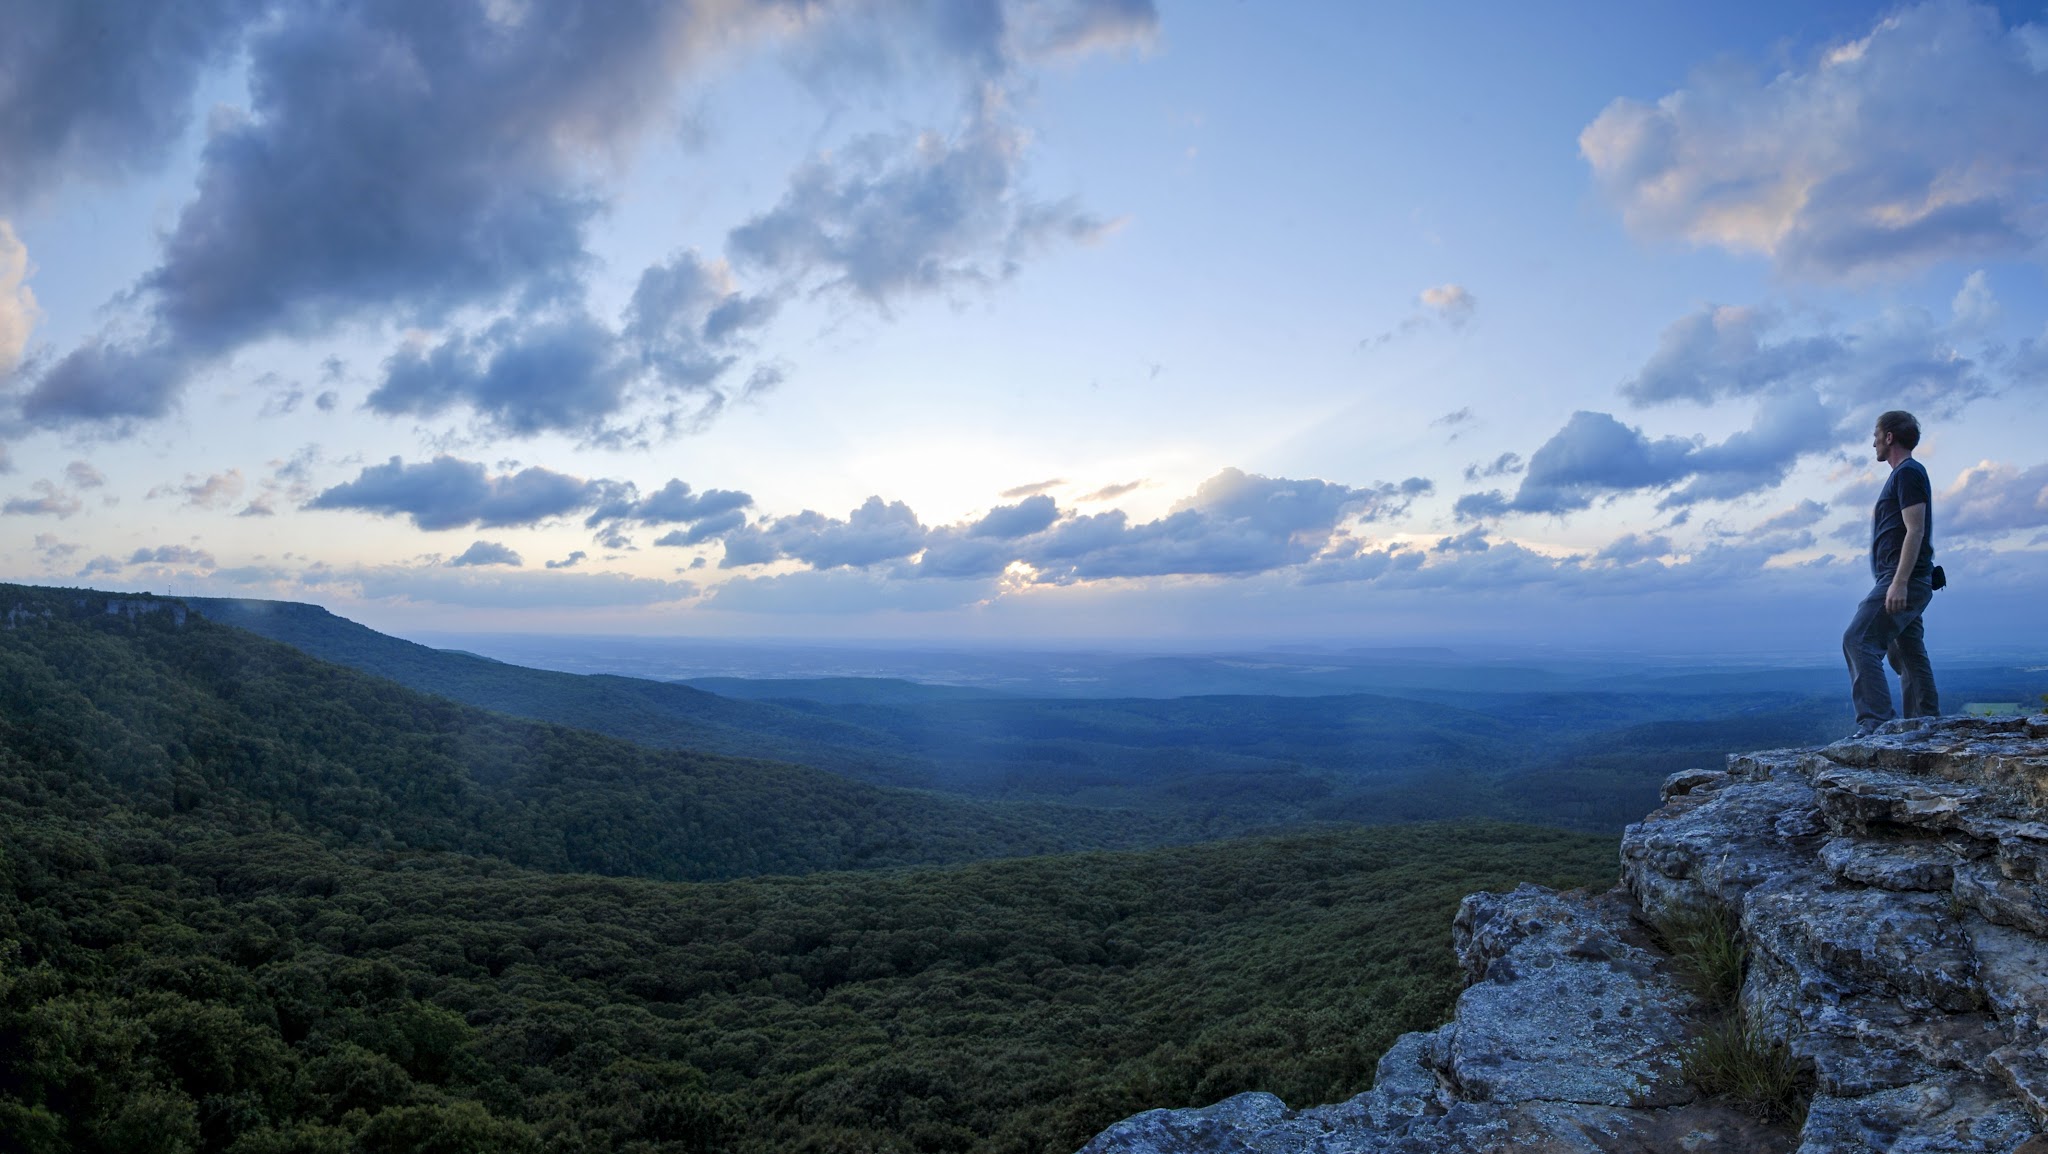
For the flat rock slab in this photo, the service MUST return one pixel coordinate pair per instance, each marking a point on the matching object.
(1966, 1116)
(1836, 943)
(1572, 1005)
(2012, 969)
(2006, 756)
(1925, 866)
(1718, 841)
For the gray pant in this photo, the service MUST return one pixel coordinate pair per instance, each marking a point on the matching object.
(1874, 635)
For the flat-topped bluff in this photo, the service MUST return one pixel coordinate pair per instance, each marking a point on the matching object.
(1891, 893)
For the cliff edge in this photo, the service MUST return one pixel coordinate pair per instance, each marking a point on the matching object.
(1890, 894)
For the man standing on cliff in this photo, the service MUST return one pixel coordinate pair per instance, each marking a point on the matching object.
(1887, 623)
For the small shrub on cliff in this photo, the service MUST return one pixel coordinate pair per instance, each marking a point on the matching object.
(1757, 1074)
(1706, 949)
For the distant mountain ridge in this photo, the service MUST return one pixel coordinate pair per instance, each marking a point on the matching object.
(654, 713)
(1220, 765)
(138, 703)
(1215, 764)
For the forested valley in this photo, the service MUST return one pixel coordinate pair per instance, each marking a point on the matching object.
(251, 901)
(1413, 742)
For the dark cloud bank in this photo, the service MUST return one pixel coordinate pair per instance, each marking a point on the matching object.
(399, 162)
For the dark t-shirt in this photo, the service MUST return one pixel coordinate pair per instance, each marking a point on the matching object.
(1905, 488)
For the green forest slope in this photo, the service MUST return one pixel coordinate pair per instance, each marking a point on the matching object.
(165, 712)
(654, 713)
(167, 988)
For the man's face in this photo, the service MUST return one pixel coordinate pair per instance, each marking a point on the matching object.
(1881, 443)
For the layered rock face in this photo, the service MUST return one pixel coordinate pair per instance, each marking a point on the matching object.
(1892, 893)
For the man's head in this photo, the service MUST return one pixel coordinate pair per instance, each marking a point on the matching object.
(1895, 428)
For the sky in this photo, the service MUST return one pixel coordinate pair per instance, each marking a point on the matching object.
(1027, 321)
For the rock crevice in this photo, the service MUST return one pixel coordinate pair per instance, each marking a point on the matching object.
(1892, 895)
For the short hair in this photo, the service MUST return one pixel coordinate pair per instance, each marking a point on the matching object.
(1903, 428)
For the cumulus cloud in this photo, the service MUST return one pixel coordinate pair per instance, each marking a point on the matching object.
(1633, 548)
(1799, 516)
(173, 555)
(108, 382)
(709, 529)
(1902, 357)
(684, 316)
(1975, 307)
(675, 503)
(448, 493)
(569, 372)
(1990, 498)
(1786, 427)
(82, 475)
(49, 501)
(440, 199)
(1473, 540)
(1358, 562)
(705, 515)
(101, 566)
(1455, 418)
(979, 43)
(1451, 303)
(877, 531)
(888, 216)
(1719, 352)
(1234, 523)
(18, 309)
(2030, 364)
(209, 492)
(521, 377)
(1596, 456)
(457, 172)
(1917, 143)
(571, 561)
(485, 553)
(60, 114)
(1505, 465)
(1054, 28)
(1448, 304)
(54, 550)
(1006, 522)
(290, 479)
(1031, 490)
(282, 397)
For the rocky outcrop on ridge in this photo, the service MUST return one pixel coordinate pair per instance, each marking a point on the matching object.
(1892, 894)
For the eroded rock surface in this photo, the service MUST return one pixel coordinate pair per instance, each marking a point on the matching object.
(1893, 895)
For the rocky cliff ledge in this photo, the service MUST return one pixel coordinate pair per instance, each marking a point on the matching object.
(1891, 893)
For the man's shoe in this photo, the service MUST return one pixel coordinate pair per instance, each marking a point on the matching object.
(1865, 729)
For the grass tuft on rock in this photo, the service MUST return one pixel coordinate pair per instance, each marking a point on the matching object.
(1756, 1074)
(1706, 949)
(1730, 1059)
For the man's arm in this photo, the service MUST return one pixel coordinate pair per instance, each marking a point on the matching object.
(1915, 517)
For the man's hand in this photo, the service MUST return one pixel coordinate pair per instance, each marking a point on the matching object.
(1915, 517)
